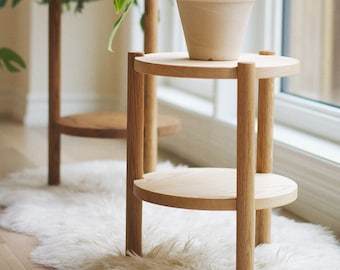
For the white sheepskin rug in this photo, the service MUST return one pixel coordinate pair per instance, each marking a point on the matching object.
(81, 225)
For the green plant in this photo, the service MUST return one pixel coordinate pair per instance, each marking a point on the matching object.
(12, 61)
(121, 7)
(9, 59)
(3, 3)
(67, 3)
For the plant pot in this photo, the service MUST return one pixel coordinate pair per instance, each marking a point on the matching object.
(214, 29)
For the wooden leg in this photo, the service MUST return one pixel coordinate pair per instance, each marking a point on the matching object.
(264, 161)
(54, 60)
(150, 46)
(245, 167)
(135, 134)
(150, 133)
(53, 155)
(263, 226)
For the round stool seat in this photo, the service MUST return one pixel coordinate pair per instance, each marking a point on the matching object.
(211, 189)
(110, 125)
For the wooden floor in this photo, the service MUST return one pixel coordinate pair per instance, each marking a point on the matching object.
(22, 147)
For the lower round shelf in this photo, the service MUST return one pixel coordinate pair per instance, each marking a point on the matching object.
(211, 189)
(110, 125)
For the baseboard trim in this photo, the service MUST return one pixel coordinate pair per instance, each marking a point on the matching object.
(32, 110)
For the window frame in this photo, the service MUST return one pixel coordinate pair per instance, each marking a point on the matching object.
(309, 116)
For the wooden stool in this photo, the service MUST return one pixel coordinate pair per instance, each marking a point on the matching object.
(100, 124)
(246, 189)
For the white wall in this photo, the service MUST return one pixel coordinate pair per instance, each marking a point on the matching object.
(14, 33)
(92, 77)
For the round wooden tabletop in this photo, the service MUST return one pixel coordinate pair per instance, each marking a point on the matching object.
(110, 125)
(179, 65)
(211, 189)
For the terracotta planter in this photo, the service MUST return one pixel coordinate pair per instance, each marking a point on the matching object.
(214, 29)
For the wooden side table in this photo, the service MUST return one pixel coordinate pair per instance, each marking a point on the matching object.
(248, 189)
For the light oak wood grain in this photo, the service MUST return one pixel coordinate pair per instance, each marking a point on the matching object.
(264, 149)
(245, 164)
(135, 147)
(110, 125)
(211, 189)
(216, 188)
(179, 65)
(150, 87)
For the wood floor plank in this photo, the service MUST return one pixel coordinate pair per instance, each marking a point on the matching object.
(7, 157)
(8, 260)
(27, 142)
(21, 246)
(2, 241)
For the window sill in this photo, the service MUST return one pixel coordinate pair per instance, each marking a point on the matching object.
(302, 141)
(185, 101)
(311, 145)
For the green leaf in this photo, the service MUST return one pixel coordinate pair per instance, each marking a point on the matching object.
(119, 4)
(141, 21)
(2, 3)
(79, 6)
(15, 2)
(118, 22)
(11, 60)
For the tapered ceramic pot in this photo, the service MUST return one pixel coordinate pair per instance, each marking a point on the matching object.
(214, 29)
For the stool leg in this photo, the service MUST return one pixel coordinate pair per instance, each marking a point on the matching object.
(53, 154)
(150, 131)
(54, 59)
(263, 226)
(135, 131)
(245, 167)
(150, 100)
(264, 160)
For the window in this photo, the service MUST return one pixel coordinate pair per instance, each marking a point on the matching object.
(312, 34)
(310, 101)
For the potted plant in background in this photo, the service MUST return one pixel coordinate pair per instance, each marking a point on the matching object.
(12, 61)
(9, 59)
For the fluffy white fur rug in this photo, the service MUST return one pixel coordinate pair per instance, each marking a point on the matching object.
(81, 225)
